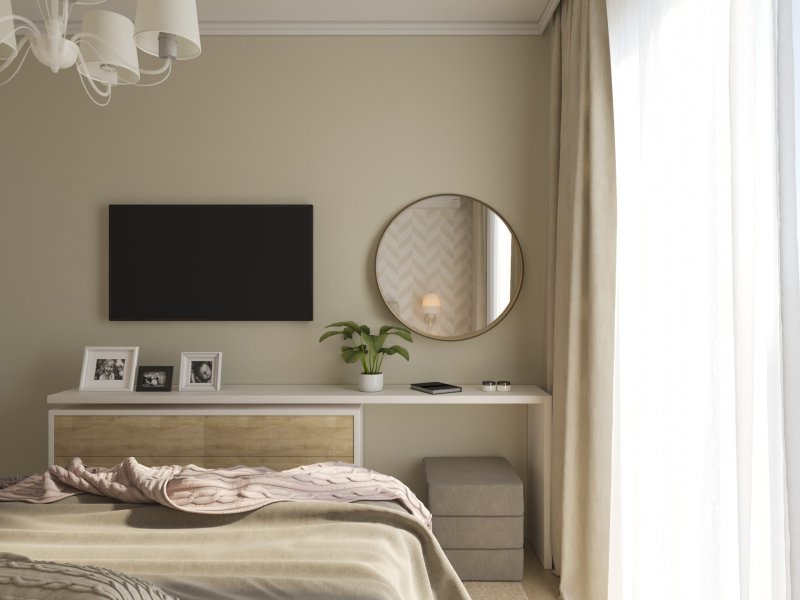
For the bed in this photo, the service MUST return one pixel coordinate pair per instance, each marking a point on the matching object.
(193, 542)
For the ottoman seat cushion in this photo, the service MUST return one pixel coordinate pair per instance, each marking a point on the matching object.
(487, 565)
(478, 512)
(473, 486)
(489, 533)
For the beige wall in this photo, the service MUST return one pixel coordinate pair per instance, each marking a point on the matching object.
(358, 127)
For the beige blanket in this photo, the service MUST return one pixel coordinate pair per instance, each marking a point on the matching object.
(304, 550)
(218, 491)
(25, 579)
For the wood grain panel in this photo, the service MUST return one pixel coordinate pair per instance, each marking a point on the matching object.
(140, 435)
(279, 463)
(213, 441)
(306, 435)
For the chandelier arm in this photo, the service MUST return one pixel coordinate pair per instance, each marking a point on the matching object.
(24, 23)
(24, 44)
(27, 23)
(166, 67)
(45, 12)
(106, 95)
(62, 12)
(85, 39)
(166, 70)
(97, 90)
(4, 64)
(7, 64)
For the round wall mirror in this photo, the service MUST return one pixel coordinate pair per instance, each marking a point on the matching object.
(449, 267)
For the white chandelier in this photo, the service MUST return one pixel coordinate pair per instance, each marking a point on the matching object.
(105, 50)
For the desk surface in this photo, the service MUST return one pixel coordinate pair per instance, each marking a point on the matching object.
(306, 394)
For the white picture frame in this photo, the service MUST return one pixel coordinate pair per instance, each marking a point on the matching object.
(109, 368)
(195, 368)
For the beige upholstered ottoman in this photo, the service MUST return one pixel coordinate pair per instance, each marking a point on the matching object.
(478, 512)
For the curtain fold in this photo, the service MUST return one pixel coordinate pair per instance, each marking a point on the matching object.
(581, 283)
(788, 21)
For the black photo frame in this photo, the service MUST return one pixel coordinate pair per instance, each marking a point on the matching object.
(154, 379)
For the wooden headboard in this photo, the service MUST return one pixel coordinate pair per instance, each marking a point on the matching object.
(158, 437)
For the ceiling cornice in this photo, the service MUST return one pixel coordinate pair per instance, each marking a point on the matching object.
(308, 27)
(544, 21)
(377, 28)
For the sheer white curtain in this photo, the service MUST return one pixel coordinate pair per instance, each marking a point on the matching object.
(789, 166)
(699, 500)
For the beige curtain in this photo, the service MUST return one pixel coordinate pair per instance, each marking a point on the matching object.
(581, 296)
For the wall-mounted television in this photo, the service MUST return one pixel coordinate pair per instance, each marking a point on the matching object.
(212, 262)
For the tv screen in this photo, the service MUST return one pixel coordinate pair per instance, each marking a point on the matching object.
(210, 262)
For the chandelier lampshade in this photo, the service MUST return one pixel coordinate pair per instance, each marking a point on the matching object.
(8, 40)
(106, 45)
(175, 19)
(106, 50)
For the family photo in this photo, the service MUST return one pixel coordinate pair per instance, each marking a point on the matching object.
(109, 369)
(154, 379)
(202, 371)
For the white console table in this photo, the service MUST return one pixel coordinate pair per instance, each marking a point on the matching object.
(242, 400)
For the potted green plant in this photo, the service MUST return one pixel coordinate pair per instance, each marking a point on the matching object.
(368, 348)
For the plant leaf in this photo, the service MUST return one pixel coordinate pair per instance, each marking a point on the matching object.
(328, 334)
(403, 333)
(369, 340)
(350, 354)
(350, 327)
(396, 350)
(351, 324)
(387, 328)
(380, 340)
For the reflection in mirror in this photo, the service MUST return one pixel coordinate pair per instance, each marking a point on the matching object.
(449, 267)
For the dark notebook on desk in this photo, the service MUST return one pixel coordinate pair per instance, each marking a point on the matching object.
(435, 387)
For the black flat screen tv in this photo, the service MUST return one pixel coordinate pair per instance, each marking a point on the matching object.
(214, 262)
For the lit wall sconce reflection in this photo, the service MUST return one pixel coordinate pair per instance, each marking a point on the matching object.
(431, 306)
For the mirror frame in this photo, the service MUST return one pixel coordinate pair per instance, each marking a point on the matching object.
(514, 293)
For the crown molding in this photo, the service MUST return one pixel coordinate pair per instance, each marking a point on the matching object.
(547, 14)
(374, 28)
(228, 27)
(380, 28)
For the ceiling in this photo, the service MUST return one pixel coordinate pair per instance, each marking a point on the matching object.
(352, 17)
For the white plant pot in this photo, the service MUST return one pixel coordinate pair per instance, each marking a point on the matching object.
(370, 382)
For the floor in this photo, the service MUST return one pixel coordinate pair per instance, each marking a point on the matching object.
(537, 584)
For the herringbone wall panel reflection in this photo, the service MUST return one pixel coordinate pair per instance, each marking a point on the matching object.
(430, 250)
